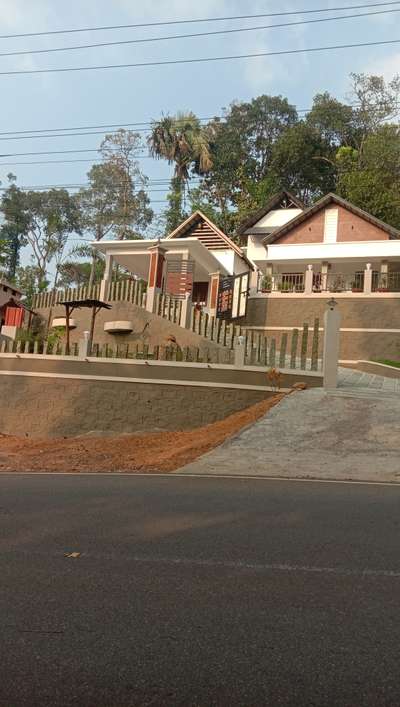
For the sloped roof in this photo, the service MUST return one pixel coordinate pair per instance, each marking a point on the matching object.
(192, 220)
(5, 283)
(271, 204)
(321, 204)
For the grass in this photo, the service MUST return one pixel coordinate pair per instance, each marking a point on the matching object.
(387, 362)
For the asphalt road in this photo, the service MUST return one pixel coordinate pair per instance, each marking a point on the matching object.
(198, 592)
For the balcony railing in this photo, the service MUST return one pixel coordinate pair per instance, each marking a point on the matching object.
(289, 282)
(387, 282)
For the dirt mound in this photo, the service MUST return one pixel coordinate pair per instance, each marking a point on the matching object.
(151, 453)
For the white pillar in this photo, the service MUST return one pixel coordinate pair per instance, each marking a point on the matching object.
(253, 281)
(240, 351)
(308, 280)
(107, 278)
(186, 311)
(83, 345)
(332, 319)
(324, 275)
(368, 279)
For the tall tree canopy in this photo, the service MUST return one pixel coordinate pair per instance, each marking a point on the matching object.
(181, 140)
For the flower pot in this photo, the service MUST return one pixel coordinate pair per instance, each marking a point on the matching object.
(357, 289)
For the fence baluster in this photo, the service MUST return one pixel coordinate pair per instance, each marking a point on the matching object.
(282, 354)
(272, 353)
(304, 347)
(315, 346)
(293, 349)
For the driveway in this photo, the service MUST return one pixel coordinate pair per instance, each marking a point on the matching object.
(196, 592)
(352, 433)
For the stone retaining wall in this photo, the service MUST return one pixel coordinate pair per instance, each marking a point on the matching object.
(54, 396)
(360, 314)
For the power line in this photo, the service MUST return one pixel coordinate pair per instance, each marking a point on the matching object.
(200, 60)
(119, 126)
(193, 21)
(15, 134)
(194, 35)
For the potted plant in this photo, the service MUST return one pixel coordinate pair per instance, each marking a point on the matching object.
(286, 287)
(356, 286)
(337, 285)
(383, 284)
(266, 283)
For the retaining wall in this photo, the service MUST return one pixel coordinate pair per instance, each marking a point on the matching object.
(47, 396)
(370, 326)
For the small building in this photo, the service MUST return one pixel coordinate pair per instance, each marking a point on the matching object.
(12, 312)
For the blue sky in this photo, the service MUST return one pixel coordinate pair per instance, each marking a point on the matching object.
(141, 94)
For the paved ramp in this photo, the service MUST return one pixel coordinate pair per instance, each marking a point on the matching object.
(353, 433)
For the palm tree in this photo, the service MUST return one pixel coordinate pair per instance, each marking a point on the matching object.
(182, 141)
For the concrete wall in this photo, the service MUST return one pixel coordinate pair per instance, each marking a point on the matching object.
(55, 396)
(154, 334)
(362, 315)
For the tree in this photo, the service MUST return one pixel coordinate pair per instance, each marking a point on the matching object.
(370, 177)
(303, 162)
(12, 237)
(242, 147)
(115, 204)
(181, 140)
(375, 101)
(45, 220)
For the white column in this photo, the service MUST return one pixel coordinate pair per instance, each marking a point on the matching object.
(368, 279)
(253, 281)
(332, 319)
(186, 311)
(240, 351)
(324, 275)
(308, 280)
(107, 278)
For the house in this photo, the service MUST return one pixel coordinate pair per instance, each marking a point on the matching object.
(305, 256)
(288, 260)
(189, 262)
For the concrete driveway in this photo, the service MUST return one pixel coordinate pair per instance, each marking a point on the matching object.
(352, 433)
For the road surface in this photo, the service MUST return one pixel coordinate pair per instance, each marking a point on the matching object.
(198, 592)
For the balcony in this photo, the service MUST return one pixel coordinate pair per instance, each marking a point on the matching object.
(312, 282)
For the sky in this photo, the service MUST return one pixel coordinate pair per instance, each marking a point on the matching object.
(128, 95)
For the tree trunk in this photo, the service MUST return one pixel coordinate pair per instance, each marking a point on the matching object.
(92, 271)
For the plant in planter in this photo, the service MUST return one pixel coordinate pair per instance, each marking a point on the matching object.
(337, 285)
(356, 286)
(266, 283)
(383, 284)
(286, 287)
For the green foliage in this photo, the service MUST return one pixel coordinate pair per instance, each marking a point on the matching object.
(182, 141)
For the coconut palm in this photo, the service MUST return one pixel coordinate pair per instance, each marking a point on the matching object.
(183, 142)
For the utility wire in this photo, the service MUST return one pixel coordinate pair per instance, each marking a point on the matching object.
(200, 60)
(194, 21)
(194, 35)
(31, 133)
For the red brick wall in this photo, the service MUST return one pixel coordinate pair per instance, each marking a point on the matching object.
(310, 231)
(350, 228)
(354, 228)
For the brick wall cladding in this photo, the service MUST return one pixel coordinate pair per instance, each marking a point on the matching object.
(61, 408)
(155, 334)
(357, 313)
(350, 228)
